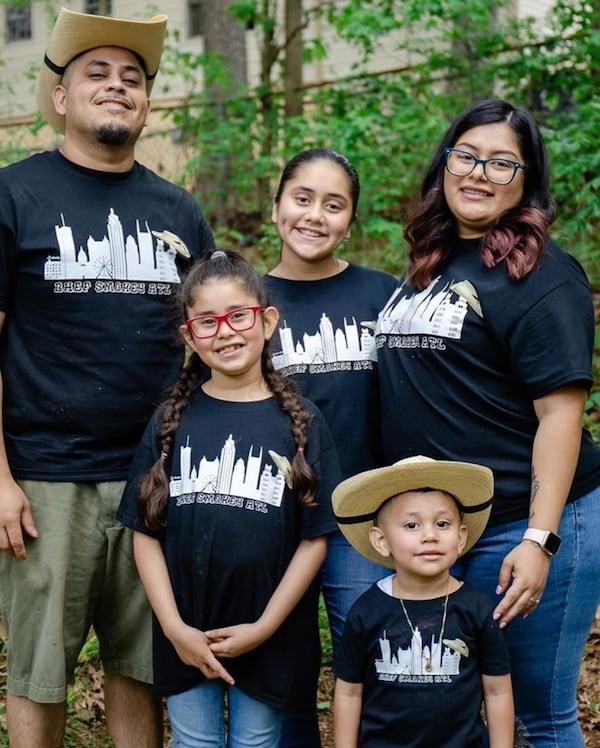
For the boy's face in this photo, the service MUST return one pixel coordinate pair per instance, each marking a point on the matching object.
(421, 531)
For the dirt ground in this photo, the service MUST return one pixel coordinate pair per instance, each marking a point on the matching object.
(86, 723)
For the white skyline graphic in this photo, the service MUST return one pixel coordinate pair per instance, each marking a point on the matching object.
(327, 345)
(413, 659)
(228, 476)
(114, 256)
(432, 311)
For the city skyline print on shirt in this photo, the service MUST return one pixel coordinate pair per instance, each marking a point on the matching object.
(137, 263)
(439, 310)
(434, 662)
(227, 479)
(351, 347)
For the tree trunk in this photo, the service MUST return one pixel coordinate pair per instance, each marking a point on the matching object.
(225, 37)
(293, 58)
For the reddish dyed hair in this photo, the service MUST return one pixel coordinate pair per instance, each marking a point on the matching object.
(519, 236)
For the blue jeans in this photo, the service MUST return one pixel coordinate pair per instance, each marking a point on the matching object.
(344, 575)
(547, 647)
(197, 718)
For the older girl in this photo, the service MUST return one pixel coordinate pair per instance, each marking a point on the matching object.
(326, 342)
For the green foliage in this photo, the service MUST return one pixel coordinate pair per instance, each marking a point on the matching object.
(559, 80)
(388, 124)
(85, 711)
(326, 649)
(591, 415)
(449, 53)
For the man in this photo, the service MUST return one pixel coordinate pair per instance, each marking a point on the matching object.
(91, 249)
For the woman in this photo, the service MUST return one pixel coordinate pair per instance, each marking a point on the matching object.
(484, 354)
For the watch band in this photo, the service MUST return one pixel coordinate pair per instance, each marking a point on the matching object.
(547, 540)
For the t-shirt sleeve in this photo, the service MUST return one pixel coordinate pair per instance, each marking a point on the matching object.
(7, 252)
(350, 657)
(493, 650)
(192, 224)
(206, 241)
(129, 512)
(551, 344)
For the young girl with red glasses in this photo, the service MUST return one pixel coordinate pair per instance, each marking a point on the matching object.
(230, 503)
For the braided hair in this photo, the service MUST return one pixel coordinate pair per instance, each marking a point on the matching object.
(154, 486)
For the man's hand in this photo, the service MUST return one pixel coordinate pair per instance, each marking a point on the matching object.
(15, 519)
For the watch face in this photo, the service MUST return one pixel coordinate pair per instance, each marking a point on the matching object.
(552, 543)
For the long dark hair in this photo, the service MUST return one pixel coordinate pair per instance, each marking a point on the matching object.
(154, 487)
(321, 154)
(519, 237)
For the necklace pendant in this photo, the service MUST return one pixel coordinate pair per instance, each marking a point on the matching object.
(428, 667)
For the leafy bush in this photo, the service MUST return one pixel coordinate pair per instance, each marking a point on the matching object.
(388, 124)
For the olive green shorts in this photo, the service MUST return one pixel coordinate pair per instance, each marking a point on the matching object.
(78, 573)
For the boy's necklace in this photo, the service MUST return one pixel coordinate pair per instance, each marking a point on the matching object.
(428, 666)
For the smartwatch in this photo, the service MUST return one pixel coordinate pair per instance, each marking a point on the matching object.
(547, 541)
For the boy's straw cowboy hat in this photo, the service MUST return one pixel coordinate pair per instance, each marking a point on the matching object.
(76, 33)
(357, 500)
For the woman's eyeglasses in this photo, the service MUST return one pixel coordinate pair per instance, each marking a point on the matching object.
(496, 170)
(207, 325)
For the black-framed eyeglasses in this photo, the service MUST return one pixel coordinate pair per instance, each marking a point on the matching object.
(496, 170)
(207, 325)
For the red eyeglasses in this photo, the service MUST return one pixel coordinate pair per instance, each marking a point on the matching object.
(207, 325)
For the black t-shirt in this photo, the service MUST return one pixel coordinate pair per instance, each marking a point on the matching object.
(326, 342)
(87, 281)
(461, 362)
(405, 703)
(232, 526)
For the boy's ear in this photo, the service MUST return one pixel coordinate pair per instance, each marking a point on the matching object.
(270, 321)
(463, 534)
(378, 541)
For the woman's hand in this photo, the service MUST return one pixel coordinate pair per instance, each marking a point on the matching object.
(193, 648)
(233, 641)
(522, 579)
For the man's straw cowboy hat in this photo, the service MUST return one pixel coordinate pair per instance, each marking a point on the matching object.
(76, 33)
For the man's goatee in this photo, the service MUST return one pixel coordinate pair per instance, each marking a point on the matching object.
(113, 135)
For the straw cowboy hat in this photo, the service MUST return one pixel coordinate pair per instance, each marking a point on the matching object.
(76, 33)
(357, 500)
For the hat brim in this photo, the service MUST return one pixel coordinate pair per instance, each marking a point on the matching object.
(356, 500)
(76, 33)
